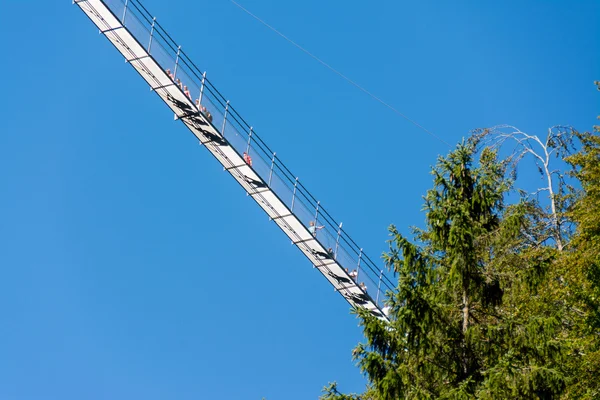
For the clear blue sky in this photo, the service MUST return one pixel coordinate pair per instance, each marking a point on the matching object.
(133, 267)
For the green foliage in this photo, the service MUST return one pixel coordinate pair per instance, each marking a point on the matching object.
(581, 271)
(486, 306)
(330, 392)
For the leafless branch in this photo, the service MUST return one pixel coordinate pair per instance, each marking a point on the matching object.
(558, 144)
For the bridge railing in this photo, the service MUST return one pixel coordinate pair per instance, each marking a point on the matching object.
(241, 136)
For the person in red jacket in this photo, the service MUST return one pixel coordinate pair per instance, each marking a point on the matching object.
(247, 159)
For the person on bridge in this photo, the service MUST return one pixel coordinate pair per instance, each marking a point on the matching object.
(170, 74)
(330, 252)
(386, 311)
(203, 110)
(187, 92)
(312, 228)
(363, 287)
(200, 107)
(353, 274)
(247, 159)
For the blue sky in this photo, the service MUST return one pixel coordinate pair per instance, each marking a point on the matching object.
(132, 266)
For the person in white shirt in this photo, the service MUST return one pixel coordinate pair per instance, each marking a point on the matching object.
(312, 228)
(386, 311)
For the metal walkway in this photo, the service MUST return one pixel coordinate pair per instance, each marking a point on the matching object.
(211, 118)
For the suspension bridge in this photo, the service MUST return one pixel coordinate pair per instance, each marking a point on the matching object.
(211, 118)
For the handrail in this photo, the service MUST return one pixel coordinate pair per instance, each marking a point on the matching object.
(159, 40)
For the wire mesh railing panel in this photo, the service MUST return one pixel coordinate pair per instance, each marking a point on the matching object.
(326, 238)
(261, 166)
(304, 213)
(138, 29)
(116, 6)
(185, 82)
(345, 259)
(191, 75)
(133, 7)
(161, 54)
(328, 233)
(280, 188)
(236, 139)
(369, 284)
(213, 112)
(256, 151)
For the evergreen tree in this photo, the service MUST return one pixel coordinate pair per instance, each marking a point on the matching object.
(579, 289)
(456, 329)
(493, 301)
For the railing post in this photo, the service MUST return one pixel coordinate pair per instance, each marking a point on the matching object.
(151, 35)
(249, 139)
(294, 194)
(225, 118)
(358, 266)
(378, 288)
(176, 63)
(271, 171)
(316, 217)
(337, 240)
(201, 91)
(124, 12)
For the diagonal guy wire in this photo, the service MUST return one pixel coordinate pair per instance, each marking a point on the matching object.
(342, 75)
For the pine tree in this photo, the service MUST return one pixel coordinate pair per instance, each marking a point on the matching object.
(493, 301)
(579, 271)
(456, 328)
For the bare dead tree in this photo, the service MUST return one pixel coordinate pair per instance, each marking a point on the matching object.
(558, 144)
